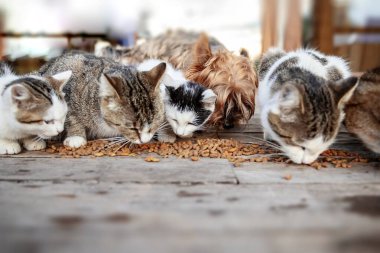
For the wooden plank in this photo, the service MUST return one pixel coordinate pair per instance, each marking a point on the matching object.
(103, 217)
(262, 173)
(120, 169)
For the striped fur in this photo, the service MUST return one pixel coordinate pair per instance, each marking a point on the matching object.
(363, 110)
(108, 99)
(302, 95)
(206, 61)
(32, 108)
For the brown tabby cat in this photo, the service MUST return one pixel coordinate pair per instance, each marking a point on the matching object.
(363, 110)
(107, 99)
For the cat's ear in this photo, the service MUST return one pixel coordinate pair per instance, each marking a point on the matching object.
(61, 79)
(244, 53)
(344, 89)
(20, 93)
(166, 91)
(155, 75)
(290, 98)
(208, 100)
(202, 51)
(109, 86)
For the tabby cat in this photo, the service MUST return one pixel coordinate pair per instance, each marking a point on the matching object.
(188, 105)
(32, 108)
(302, 95)
(363, 110)
(107, 99)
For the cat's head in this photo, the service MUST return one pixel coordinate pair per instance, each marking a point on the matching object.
(37, 105)
(131, 102)
(305, 113)
(188, 107)
(230, 76)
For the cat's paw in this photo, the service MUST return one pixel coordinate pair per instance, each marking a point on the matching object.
(75, 141)
(166, 138)
(9, 147)
(267, 137)
(31, 144)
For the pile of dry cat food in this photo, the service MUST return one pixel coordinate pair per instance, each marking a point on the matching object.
(233, 150)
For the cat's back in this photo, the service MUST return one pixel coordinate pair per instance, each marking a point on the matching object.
(367, 94)
(328, 67)
(80, 63)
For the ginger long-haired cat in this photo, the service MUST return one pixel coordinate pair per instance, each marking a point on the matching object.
(203, 60)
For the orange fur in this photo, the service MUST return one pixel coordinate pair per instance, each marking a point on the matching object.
(231, 77)
(206, 61)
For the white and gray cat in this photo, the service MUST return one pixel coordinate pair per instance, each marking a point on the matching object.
(32, 108)
(302, 95)
(188, 105)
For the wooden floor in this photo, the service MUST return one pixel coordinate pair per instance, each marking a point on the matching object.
(122, 204)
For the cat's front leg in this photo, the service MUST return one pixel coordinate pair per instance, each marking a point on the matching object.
(267, 136)
(166, 135)
(75, 133)
(34, 144)
(9, 147)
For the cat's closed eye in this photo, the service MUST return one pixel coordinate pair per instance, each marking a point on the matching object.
(49, 121)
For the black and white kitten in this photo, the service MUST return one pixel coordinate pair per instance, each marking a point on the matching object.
(188, 105)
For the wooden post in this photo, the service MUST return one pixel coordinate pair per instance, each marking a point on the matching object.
(323, 26)
(269, 24)
(293, 26)
(1, 37)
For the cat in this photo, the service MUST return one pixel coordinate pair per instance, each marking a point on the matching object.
(203, 60)
(108, 99)
(363, 110)
(188, 105)
(32, 108)
(302, 95)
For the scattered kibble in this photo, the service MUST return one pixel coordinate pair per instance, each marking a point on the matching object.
(194, 158)
(232, 150)
(152, 159)
(288, 177)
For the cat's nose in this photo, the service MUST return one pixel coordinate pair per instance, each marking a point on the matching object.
(228, 125)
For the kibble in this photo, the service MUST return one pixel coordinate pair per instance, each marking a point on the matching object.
(232, 150)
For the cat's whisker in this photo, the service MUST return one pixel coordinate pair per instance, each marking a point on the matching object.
(112, 138)
(266, 142)
(122, 145)
(163, 128)
(114, 143)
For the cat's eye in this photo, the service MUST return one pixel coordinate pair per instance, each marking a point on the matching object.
(49, 121)
(191, 124)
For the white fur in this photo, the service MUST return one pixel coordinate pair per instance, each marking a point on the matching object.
(271, 102)
(145, 134)
(33, 144)
(99, 46)
(172, 77)
(11, 130)
(75, 141)
(178, 120)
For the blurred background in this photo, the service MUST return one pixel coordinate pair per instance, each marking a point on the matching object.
(34, 31)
